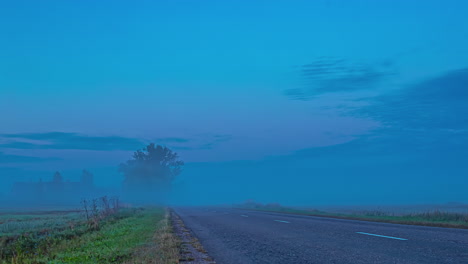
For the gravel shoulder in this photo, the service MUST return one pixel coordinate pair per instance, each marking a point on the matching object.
(192, 251)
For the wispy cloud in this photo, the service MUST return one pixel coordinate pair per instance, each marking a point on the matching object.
(429, 118)
(76, 141)
(10, 159)
(61, 140)
(329, 75)
(437, 103)
(172, 140)
(207, 142)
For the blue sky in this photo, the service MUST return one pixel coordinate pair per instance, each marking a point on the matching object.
(337, 90)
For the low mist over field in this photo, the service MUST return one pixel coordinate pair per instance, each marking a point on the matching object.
(210, 103)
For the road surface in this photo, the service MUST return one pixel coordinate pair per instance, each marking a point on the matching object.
(234, 236)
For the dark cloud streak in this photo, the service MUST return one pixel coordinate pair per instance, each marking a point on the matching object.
(437, 103)
(426, 121)
(328, 75)
(9, 159)
(62, 140)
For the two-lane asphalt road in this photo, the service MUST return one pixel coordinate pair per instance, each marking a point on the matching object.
(234, 236)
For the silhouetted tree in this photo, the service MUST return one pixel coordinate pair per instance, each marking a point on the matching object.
(57, 177)
(151, 170)
(57, 187)
(87, 178)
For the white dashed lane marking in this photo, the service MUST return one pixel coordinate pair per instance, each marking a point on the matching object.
(286, 222)
(369, 234)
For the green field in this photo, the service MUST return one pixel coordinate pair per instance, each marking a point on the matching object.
(131, 235)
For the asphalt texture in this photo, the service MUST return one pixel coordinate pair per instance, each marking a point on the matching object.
(235, 236)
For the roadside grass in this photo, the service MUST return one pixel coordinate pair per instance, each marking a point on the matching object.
(434, 218)
(133, 235)
(163, 247)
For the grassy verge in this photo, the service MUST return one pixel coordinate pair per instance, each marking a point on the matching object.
(432, 218)
(162, 248)
(129, 236)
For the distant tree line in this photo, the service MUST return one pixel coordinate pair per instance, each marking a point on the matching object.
(56, 190)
